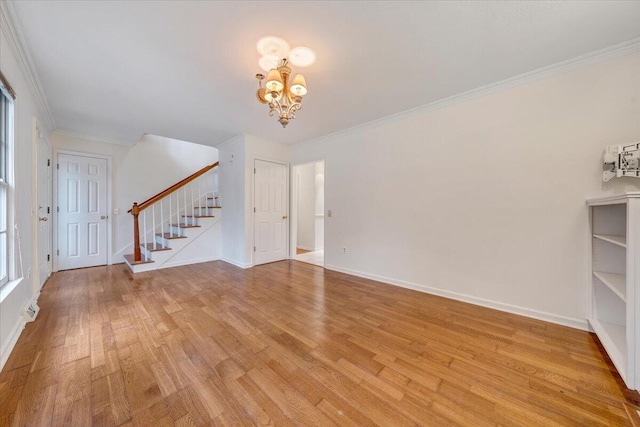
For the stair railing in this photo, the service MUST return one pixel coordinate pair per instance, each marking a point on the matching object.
(188, 196)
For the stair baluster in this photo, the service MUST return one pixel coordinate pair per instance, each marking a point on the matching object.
(144, 232)
(177, 209)
(153, 228)
(161, 220)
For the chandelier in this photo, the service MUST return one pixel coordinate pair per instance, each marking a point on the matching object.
(284, 97)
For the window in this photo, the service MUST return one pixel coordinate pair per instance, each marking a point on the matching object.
(6, 114)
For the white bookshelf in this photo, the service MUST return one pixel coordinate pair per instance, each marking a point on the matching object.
(614, 289)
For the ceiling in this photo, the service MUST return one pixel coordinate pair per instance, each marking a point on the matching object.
(185, 70)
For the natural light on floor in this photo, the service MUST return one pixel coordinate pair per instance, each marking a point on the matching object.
(314, 257)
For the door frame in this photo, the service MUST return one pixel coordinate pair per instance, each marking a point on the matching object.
(253, 205)
(56, 153)
(37, 135)
(294, 211)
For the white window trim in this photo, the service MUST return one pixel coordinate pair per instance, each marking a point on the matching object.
(5, 280)
(11, 277)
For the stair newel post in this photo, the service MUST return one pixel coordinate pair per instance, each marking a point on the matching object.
(135, 211)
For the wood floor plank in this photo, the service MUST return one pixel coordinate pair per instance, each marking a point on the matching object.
(293, 344)
(73, 398)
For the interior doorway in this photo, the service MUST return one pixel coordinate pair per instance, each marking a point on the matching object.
(307, 221)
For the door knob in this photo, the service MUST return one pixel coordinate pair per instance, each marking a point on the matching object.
(284, 217)
(103, 217)
(43, 218)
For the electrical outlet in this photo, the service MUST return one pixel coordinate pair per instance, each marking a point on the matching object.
(344, 250)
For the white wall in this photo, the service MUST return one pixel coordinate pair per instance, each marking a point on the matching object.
(139, 172)
(232, 188)
(236, 192)
(483, 200)
(306, 216)
(14, 299)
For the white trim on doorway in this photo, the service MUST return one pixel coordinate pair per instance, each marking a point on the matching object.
(56, 153)
(37, 137)
(293, 209)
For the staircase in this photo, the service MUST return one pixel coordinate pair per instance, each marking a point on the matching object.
(178, 226)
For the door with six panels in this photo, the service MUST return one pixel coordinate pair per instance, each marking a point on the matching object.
(271, 226)
(82, 216)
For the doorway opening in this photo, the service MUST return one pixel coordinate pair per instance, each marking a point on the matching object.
(307, 222)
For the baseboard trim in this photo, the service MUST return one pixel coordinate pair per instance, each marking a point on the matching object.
(571, 322)
(189, 262)
(236, 263)
(7, 348)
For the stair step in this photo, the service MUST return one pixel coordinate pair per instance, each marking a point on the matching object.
(207, 207)
(130, 259)
(169, 236)
(150, 248)
(198, 216)
(185, 226)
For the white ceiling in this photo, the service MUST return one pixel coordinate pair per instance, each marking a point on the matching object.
(185, 70)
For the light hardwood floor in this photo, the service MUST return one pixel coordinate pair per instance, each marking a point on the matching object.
(292, 344)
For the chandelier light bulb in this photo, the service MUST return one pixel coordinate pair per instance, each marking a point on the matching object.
(271, 96)
(274, 81)
(299, 85)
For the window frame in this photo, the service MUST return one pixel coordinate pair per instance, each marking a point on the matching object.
(7, 109)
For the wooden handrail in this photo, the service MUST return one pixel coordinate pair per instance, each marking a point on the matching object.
(139, 207)
(161, 195)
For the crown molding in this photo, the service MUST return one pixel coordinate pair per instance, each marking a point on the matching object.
(10, 27)
(625, 48)
(93, 138)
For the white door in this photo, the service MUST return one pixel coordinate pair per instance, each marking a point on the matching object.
(82, 217)
(271, 222)
(44, 210)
